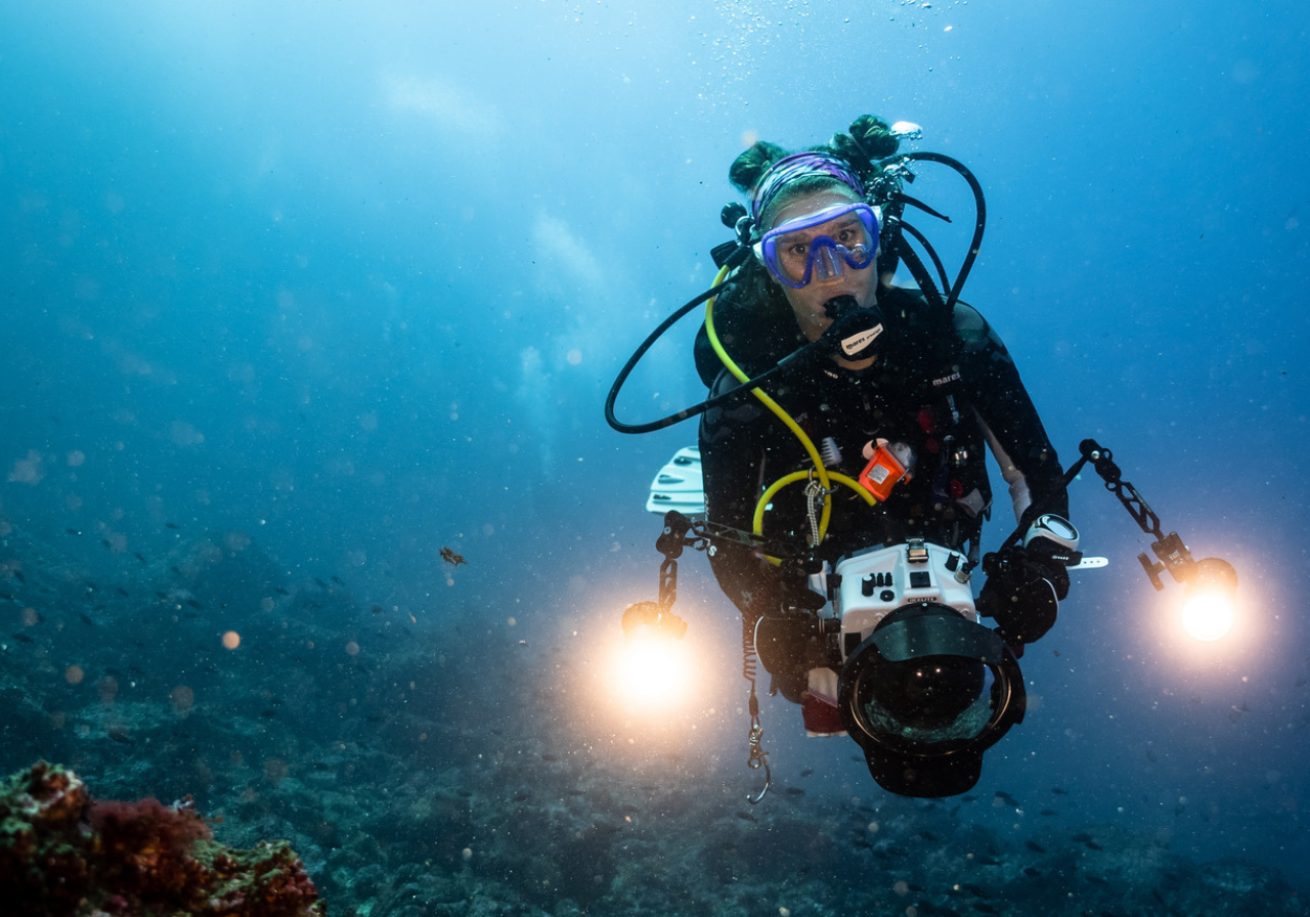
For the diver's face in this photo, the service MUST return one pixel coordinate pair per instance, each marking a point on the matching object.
(807, 302)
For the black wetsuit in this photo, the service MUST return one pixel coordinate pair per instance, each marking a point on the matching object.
(944, 387)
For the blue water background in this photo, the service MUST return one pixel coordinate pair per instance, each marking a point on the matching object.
(353, 279)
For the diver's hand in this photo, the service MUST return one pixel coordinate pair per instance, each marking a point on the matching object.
(1020, 595)
(1052, 545)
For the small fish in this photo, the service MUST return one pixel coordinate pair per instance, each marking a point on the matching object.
(1059, 791)
(794, 791)
(549, 757)
(105, 542)
(121, 591)
(1007, 798)
(1029, 871)
(172, 525)
(520, 796)
(1097, 879)
(18, 575)
(337, 581)
(807, 772)
(377, 609)
(176, 571)
(22, 637)
(121, 738)
(280, 591)
(1057, 653)
(322, 585)
(746, 816)
(1034, 847)
(1048, 812)
(138, 555)
(86, 620)
(73, 531)
(194, 604)
(928, 836)
(268, 714)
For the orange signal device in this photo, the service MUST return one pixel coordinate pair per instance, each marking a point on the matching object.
(883, 472)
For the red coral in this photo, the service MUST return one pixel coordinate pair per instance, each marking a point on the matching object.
(149, 823)
(145, 848)
(139, 858)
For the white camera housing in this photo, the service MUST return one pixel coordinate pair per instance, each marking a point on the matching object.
(875, 582)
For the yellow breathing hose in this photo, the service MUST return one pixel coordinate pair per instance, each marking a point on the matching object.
(825, 477)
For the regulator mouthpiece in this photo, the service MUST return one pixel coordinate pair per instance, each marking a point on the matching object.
(856, 332)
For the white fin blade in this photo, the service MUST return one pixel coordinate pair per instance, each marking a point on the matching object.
(679, 485)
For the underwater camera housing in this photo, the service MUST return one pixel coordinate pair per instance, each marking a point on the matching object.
(924, 688)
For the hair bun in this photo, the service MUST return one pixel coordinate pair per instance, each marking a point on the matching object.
(874, 137)
(747, 168)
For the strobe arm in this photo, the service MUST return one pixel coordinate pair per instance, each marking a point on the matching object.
(1172, 554)
(1174, 558)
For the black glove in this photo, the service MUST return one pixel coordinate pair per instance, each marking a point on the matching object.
(787, 636)
(1022, 593)
(1050, 559)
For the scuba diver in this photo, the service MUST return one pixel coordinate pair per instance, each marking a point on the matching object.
(844, 501)
(923, 388)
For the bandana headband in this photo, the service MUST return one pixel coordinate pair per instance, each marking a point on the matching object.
(798, 165)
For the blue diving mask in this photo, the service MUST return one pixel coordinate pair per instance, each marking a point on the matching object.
(817, 245)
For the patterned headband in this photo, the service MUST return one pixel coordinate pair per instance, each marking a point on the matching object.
(798, 165)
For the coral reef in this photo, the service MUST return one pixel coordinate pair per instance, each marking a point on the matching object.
(415, 779)
(63, 854)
